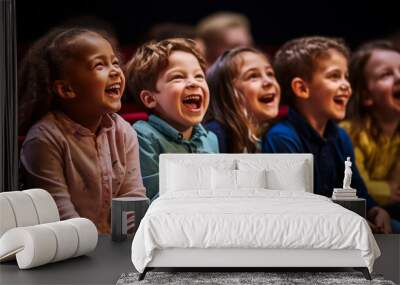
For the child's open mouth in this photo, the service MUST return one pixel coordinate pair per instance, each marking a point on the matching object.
(341, 100)
(192, 102)
(268, 98)
(114, 90)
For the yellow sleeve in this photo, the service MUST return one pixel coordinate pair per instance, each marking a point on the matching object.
(346, 126)
(378, 189)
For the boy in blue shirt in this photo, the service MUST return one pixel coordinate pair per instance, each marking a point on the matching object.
(168, 79)
(313, 75)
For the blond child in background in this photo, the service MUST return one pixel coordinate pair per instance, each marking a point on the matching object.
(223, 31)
(168, 79)
(79, 150)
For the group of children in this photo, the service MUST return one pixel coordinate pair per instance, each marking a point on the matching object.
(84, 154)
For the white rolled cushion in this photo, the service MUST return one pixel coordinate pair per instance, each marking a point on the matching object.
(87, 235)
(23, 208)
(182, 177)
(45, 205)
(33, 246)
(279, 180)
(7, 218)
(224, 179)
(40, 244)
(67, 240)
(251, 178)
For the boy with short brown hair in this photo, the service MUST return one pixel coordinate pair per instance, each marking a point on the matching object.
(168, 79)
(313, 75)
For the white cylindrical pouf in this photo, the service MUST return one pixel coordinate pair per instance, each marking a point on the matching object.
(67, 239)
(45, 205)
(23, 208)
(87, 235)
(34, 246)
(40, 244)
(7, 217)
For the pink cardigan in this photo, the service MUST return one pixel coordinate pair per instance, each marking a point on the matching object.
(81, 170)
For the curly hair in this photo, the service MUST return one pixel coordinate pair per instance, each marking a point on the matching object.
(226, 107)
(42, 65)
(357, 112)
(146, 65)
(298, 58)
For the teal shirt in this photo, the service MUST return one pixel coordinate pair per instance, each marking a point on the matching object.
(156, 136)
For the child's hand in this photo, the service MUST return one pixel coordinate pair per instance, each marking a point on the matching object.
(379, 220)
(394, 192)
(374, 228)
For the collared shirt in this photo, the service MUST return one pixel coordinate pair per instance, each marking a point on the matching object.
(295, 135)
(156, 136)
(82, 170)
(378, 160)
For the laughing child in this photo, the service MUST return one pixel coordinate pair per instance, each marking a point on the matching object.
(168, 79)
(313, 75)
(79, 150)
(374, 124)
(245, 99)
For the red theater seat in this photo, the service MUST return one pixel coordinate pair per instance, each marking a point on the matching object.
(133, 117)
(130, 108)
(283, 111)
(132, 113)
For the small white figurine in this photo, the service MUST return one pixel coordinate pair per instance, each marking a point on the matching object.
(347, 174)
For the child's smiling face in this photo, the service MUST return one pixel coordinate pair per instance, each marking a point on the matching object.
(182, 94)
(382, 74)
(329, 87)
(94, 76)
(257, 83)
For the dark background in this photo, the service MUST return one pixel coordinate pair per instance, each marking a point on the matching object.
(273, 22)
